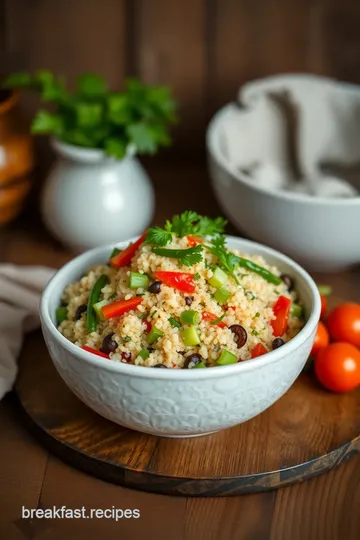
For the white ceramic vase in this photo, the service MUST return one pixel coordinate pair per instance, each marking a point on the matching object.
(91, 200)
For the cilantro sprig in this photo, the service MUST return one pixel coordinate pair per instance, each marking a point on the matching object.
(189, 223)
(228, 261)
(93, 117)
(187, 257)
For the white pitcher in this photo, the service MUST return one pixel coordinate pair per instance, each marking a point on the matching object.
(90, 199)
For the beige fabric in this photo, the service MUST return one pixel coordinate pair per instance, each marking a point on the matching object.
(314, 119)
(20, 291)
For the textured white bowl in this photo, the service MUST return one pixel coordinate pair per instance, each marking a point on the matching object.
(321, 234)
(179, 403)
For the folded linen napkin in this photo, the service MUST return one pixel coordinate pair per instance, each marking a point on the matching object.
(300, 133)
(20, 291)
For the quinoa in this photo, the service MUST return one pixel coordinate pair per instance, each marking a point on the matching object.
(250, 304)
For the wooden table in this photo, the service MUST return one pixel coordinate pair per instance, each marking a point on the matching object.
(325, 508)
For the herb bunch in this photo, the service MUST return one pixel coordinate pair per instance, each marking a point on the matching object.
(94, 117)
(185, 224)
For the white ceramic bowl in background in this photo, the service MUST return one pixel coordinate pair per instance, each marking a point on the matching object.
(179, 403)
(321, 234)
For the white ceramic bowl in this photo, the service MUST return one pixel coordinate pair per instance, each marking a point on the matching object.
(179, 403)
(321, 234)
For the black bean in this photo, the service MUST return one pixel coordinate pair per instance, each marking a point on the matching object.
(79, 311)
(192, 360)
(289, 282)
(189, 300)
(160, 366)
(155, 287)
(278, 342)
(109, 344)
(240, 334)
(126, 356)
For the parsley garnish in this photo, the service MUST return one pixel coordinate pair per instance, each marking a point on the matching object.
(188, 257)
(127, 339)
(158, 236)
(187, 223)
(196, 276)
(255, 333)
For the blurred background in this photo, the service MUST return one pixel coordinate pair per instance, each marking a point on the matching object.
(203, 49)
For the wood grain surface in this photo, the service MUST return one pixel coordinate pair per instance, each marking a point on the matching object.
(205, 49)
(307, 432)
(324, 508)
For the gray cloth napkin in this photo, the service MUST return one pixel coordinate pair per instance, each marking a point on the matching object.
(20, 292)
(298, 133)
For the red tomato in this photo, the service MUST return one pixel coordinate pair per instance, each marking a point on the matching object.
(194, 240)
(322, 339)
(281, 311)
(207, 316)
(344, 323)
(183, 281)
(115, 309)
(324, 306)
(337, 367)
(95, 351)
(124, 257)
(258, 350)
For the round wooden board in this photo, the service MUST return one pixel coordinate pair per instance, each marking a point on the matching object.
(306, 433)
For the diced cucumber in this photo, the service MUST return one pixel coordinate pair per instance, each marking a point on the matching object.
(296, 310)
(154, 334)
(219, 277)
(226, 357)
(138, 280)
(190, 336)
(199, 365)
(190, 317)
(61, 314)
(144, 354)
(222, 295)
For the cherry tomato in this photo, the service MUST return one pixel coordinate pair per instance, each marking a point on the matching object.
(324, 306)
(344, 323)
(322, 339)
(337, 367)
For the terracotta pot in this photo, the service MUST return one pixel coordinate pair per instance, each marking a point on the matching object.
(16, 157)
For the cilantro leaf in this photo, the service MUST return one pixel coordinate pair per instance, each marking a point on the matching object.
(142, 136)
(18, 80)
(187, 257)
(88, 114)
(94, 117)
(91, 85)
(228, 261)
(158, 236)
(208, 227)
(45, 122)
(115, 148)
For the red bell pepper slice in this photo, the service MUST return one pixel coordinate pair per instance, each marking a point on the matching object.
(207, 316)
(94, 351)
(194, 240)
(258, 350)
(124, 257)
(182, 281)
(115, 309)
(281, 311)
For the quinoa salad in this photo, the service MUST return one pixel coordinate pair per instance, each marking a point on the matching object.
(179, 298)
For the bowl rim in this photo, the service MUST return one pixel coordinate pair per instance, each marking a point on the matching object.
(175, 374)
(214, 151)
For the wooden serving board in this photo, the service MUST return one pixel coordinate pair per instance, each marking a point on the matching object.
(307, 432)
